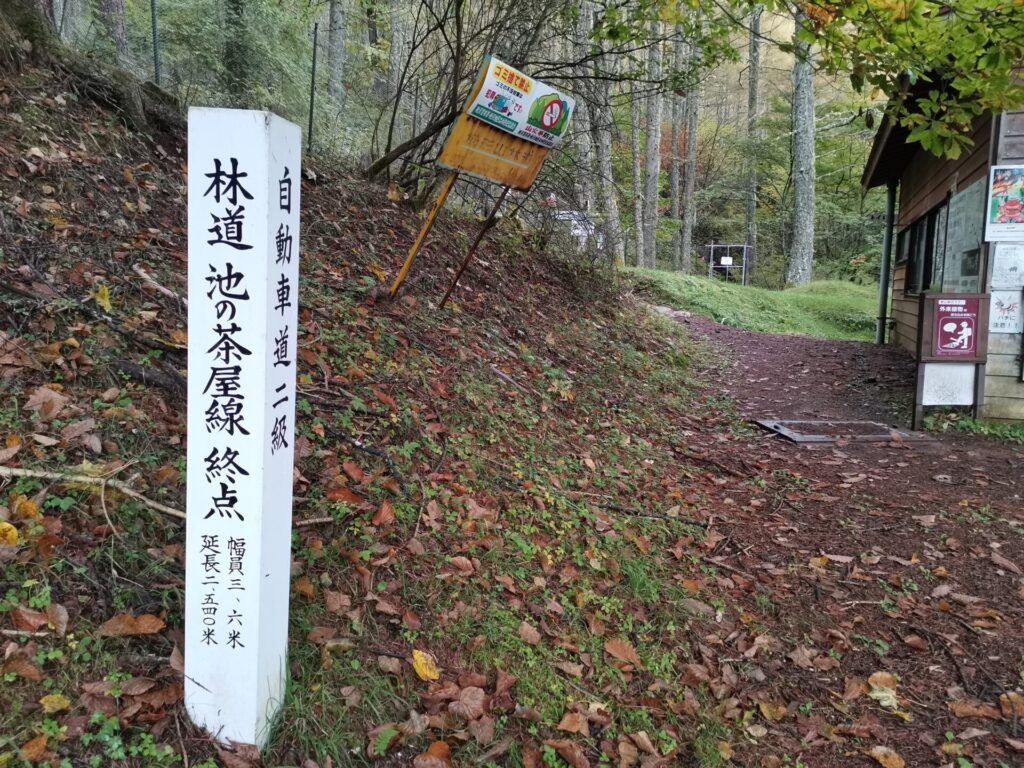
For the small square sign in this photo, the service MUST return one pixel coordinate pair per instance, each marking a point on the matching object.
(956, 328)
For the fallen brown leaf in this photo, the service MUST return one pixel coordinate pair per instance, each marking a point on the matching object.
(27, 620)
(438, 755)
(528, 633)
(46, 403)
(623, 650)
(337, 602)
(303, 587)
(482, 730)
(1003, 562)
(125, 624)
(385, 514)
(974, 708)
(773, 711)
(801, 656)
(58, 618)
(239, 756)
(1012, 705)
(23, 668)
(574, 722)
(569, 751)
(33, 750)
(470, 703)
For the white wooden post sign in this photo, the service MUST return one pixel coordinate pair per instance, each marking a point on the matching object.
(243, 280)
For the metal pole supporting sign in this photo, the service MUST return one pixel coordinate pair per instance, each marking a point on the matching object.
(424, 231)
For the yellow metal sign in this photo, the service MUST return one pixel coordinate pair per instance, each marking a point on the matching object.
(504, 96)
(504, 133)
(480, 150)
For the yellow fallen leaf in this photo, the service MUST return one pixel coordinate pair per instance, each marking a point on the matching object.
(886, 757)
(772, 711)
(101, 295)
(23, 508)
(54, 702)
(883, 690)
(425, 666)
(8, 535)
(725, 750)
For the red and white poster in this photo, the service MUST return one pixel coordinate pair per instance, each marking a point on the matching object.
(956, 328)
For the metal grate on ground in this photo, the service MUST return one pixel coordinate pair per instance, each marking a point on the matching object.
(803, 431)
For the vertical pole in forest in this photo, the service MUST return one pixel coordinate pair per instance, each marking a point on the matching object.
(156, 42)
(312, 90)
(885, 266)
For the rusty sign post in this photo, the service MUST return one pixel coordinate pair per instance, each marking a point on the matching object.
(424, 231)
(504, 134)
(488, 223)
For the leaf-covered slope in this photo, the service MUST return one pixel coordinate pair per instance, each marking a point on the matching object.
(480, 483)
(523, 533)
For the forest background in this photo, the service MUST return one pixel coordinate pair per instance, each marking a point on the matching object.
(697, 122)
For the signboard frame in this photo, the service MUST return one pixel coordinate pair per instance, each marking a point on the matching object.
(478, 149)
(482, 150)
(928, 336)
(929, 362)
(1004, 204)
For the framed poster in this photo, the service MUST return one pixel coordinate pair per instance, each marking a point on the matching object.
(1004, 207)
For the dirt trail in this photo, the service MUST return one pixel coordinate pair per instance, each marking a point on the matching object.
(890, 557)
(803, 377)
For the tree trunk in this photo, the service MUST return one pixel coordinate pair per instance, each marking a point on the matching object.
(236, 52)
(678, 117)
(652, 152)
(753, 108)
(380, 83)
(583, 117)
(603, 125)
(612, 223)
(428, 133)
(336, 52)
(801, 256)
(113, 15)
(397, 52)
(638, 177)
(25, 20)
(585, 155)
(690, 177)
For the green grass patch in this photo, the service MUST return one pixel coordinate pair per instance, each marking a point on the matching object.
(957, 422)
(828, 309)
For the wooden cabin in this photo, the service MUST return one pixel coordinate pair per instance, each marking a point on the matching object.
(937, 242)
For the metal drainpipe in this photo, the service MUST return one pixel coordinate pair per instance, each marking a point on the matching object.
(883, 272)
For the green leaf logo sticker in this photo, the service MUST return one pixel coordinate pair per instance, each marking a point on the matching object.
(549, 113)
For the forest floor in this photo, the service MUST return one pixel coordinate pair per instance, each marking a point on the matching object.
(914, 549)
(547, 490)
